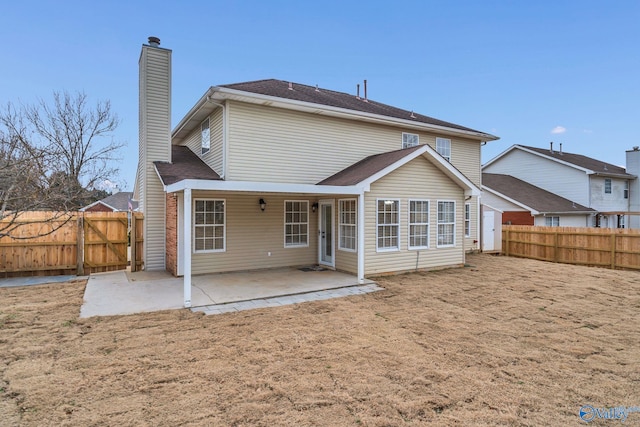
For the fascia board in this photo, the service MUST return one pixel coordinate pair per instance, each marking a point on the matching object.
(262, 187)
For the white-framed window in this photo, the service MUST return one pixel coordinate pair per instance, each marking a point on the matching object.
(621, 221)
(388, 225)
(296, 223)
(418, 224)
(446, 223)
(347, 225)
(607, 185)
(467, 220)
(443, 147)
(206, 138)
(209, 225)
(552, 221)
(626, 189)
(410, 140)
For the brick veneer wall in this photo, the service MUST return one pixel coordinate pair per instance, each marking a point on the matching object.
(517, 218)
(172, 234)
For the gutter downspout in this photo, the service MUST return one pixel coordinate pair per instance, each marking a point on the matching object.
(188, 247)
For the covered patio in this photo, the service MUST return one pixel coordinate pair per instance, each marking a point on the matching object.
(123, 292)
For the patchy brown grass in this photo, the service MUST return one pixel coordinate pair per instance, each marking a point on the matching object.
(504, 342)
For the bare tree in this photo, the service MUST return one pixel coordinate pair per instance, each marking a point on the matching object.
(53, 156)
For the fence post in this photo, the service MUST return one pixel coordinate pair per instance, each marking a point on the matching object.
(133, 243)
(613, 250)
(555, 247)
(80, 245)
(507, 242)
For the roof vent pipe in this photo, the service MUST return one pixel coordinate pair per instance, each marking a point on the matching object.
(290, 86)
(154, 41)
(358, 91)
(365, 91)
(560, 149)
(551, 147)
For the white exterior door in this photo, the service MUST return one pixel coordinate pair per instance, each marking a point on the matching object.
(326, 241)
(488, 231)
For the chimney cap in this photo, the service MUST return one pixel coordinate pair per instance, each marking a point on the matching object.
(154, 41)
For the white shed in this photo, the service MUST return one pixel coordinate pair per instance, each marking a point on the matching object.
(491, 236)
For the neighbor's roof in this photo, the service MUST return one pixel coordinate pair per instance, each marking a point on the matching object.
(117, 201)
(531, 196)
(367, 167)
(315, 95)
(597, 166)
(185, 164)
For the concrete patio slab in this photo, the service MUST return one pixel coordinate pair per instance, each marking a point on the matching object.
(120, 292)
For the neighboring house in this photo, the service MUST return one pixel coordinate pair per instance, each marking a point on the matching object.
(117, 202)
(609, 190)
(270, 173)
(524, 204)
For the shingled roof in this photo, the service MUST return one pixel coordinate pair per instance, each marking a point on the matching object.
(185, 164)
(315, 95)
(529, 195)
(367, 167)
(598, 166)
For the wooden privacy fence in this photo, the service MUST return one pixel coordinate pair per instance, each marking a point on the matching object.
(54, 243)
(604, 247)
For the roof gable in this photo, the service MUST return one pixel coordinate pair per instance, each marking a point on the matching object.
(529, 196)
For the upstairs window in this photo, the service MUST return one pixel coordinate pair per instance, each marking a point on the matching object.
(626, 189)
(410, 140)
(206, 140)
(443, 147)
(607, 186)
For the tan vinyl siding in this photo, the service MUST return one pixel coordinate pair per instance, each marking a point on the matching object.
(469, 244)
(252, 234)
(277, 145)
(418, 179)
(194, 141)
(155, 129)
(346, 261)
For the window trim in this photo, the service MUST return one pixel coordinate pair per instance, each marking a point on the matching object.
(440, 139)
(409, 224)
(205, 148)
(194, 225)
(438, 223)
(467, 220)
(284, 228)
(354, 225)
(417, 137)
(397, 225)
(607, 181)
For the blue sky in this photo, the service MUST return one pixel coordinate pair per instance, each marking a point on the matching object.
(528, 72)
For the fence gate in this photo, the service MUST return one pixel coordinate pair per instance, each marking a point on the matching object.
(105, 242)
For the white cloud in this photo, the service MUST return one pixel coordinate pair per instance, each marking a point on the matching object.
(587, 131)
(558, 129)
(108, 185)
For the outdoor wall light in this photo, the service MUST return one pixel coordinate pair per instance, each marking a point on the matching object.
(263, 204)
(314, 207)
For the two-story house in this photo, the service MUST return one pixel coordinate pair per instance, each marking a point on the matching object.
(592, 193)
(271, 173)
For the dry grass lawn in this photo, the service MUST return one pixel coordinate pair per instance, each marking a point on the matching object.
(504, 341)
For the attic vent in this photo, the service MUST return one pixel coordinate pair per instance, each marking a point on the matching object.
(154, 41)
(605, 168)
(413, 116)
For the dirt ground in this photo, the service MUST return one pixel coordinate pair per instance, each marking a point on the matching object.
(503, 341)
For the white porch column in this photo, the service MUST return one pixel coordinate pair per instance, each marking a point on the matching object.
(360, 220)
(187, 246)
